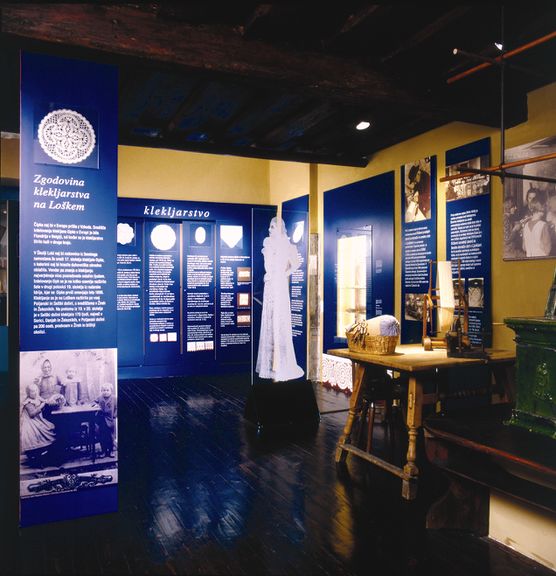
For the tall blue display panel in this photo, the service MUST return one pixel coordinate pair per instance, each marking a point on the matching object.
(468, 233)
(418, 225)
(361, 213)
(68, 330)
(295, 214)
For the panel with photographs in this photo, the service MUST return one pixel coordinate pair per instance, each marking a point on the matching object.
(417, 190)
(461, 188)
(413, 309)
(530, 206)
(68, 424)
(468, 231)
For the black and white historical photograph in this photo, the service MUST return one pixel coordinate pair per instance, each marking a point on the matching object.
(68, 419)
(461, 188)
(417, 188)
(530, 205)
(414, 306)
(476, 292)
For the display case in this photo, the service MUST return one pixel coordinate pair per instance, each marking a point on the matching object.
(354, 248)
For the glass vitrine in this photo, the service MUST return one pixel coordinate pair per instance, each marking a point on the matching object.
(353, 279)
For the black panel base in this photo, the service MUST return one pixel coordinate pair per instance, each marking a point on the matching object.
(273, 406)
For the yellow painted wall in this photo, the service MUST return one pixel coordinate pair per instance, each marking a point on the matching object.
(529, 530)
(288, 180)
(9, 159)
(176, 175)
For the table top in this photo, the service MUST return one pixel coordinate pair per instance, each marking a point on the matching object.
(78, 409)
(413, 358)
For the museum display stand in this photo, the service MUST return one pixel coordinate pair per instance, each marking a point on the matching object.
(274, 407)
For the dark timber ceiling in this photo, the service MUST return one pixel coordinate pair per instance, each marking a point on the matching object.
(289, 80)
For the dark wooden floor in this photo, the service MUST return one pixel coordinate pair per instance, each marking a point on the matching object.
(201, 493)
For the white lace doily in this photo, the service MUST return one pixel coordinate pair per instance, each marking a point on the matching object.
(337, 372)
(66, 136)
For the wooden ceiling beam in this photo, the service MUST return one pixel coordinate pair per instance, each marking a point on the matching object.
(261, 13)
(276, 122)
(127, 31)
(310, 117)
(223, 133)
(351, 24)
(358, 18)
(340, 159)
(184, 109)
(428, 31)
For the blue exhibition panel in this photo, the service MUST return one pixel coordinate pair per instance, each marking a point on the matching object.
(468, 231)
(162, 293)
(367, 208)
(418, 225)
(295, 214)
(199, 289)
(67, 265)
(261, 222)
(189, 277)
(130, 282)
(67, 205)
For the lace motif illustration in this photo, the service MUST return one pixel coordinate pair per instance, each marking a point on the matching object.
(66, 136)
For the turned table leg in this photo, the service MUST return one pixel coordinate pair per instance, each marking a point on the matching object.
(414, 419)
(354, 407)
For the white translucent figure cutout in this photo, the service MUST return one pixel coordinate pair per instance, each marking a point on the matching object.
(276, 356)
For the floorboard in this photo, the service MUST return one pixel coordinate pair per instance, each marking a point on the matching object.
(202, 493)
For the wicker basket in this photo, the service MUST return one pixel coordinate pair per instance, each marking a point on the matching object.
(372, 344)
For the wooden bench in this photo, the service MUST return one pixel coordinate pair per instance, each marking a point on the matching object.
(480, 452)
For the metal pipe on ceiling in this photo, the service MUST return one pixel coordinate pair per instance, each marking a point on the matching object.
(500, 167)
(504, 56)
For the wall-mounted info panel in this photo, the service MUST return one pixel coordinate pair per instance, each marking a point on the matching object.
(468, 225)
(186, 286)
(359, 255)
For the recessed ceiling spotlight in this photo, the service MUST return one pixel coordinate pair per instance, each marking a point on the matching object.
(499, 45)
(363, 125)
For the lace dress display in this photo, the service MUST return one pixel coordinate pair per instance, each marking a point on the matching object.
(276, 355)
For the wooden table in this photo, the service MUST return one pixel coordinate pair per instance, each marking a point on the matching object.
(68, 418)
(415, 363)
